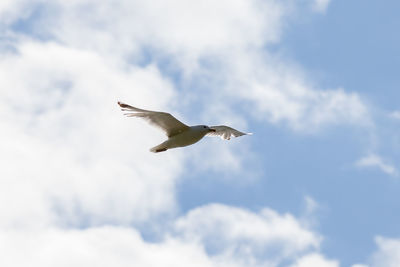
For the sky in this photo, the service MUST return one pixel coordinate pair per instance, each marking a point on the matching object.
(315, 81)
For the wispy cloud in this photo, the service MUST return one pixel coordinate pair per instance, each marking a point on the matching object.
(373, 160)
(395, 114)
(320, 5)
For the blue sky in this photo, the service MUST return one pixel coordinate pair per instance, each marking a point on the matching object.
(358, 52)
(315, 81)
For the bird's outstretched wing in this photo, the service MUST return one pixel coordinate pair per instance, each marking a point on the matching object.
(165, 121)
(225, 132)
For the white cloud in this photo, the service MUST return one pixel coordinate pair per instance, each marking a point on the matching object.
(213, 235)
(310, 205)
(387, 254)
(320, 5)
(105, 246)
(373, 160)
(311, 208)
(10, 10)
(70, 152)
(220, 41)
(279, 93)
(186, 30)
(315, 260)
(264, 236)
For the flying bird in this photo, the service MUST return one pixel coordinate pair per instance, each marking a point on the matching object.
(179, 134)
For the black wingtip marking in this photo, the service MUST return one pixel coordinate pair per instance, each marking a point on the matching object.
(123, 105)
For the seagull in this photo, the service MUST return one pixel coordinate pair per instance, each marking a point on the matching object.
(178, 133)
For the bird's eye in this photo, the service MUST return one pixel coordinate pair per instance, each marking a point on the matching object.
(204, 127)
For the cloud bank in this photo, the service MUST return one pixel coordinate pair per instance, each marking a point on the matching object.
(213, 235)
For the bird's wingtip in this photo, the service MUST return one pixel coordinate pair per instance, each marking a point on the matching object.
(123, 105)
(249, 133)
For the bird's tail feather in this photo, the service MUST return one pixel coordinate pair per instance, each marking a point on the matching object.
(159, 148)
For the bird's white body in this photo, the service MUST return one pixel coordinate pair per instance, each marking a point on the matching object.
(179, 134)
(186, 138)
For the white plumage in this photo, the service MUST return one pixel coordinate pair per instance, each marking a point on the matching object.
(179, 134)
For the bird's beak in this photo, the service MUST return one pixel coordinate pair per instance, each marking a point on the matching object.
(213, 130)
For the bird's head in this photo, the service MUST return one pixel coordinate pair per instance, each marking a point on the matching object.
(205, 128)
